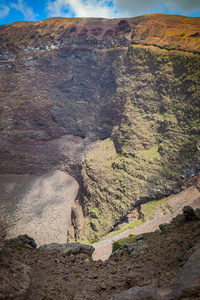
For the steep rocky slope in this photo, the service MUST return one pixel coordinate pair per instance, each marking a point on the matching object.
(148, 216)
(114, 103)
(141, 269)
(156, 139)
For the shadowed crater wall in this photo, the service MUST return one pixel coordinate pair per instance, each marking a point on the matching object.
(113, 103)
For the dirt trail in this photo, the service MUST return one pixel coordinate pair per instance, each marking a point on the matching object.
(189, 196)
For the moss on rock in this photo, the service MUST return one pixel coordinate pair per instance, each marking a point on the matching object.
(153, 142)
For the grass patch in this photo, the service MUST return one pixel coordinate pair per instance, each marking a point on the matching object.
(130, 240)
(149, 154)
(147, 209)
(150, 206)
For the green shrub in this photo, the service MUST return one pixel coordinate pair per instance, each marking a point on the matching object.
(129, 240)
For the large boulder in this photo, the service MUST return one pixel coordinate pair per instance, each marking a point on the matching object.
(69, 248)
(139, 293)
(186, 284)
(23, 241)
(137, 248)
(189, 213)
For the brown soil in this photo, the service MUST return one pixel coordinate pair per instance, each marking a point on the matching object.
(155, 260)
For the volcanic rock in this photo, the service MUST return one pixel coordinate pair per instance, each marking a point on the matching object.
(14, 275)
(138, 293)
(69, 248)
(188, 213)
(23, 240)
(169, 266)
(186, 284)
(113, 103)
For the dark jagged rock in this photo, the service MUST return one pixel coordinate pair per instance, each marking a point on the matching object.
(134, 279)
(163, 227)
(189, 213)
(23, 241)
(69, 248)
(14, 275)
(139, 293)
(186, 284)
(137, 248)
(197, 213)
(168, 265)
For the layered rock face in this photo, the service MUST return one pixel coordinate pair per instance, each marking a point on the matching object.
(114, 103)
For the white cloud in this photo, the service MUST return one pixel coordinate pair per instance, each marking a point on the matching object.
(131, 8)
(184, 6)
(120, 8)
(4, 11)
(81, 8)
(27, 11)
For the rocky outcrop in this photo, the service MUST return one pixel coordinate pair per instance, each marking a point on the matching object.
(186, 284)
(23, 241)
(113, 103)
(139, 293)
(69, 248)
(166, 268)
(14, 275)
(151, 147)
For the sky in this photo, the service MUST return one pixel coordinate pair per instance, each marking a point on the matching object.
(35, 10)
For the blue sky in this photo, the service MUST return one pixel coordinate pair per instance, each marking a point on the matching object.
(33, 10)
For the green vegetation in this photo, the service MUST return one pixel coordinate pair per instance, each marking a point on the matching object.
(150, 206)
(152, 118)
(147, 211)
(130, 240)
(152, 145)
